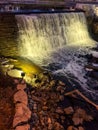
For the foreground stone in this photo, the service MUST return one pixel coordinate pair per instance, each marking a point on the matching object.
(21, 96)
(24, 127)
(21, 86)
(22, 114)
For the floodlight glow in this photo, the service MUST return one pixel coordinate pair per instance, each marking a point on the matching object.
(15, 73)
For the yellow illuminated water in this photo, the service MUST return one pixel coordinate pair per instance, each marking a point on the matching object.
(15, 67)
(26, 66)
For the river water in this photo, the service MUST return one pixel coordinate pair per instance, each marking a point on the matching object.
(58, 42)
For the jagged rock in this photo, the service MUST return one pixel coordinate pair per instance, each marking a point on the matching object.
(57, 126)
(21, 86)
(59, 110)
(81, 115)
(50, 107)
(74, 128)
(24, 127)
(52, 83)
(44, 108)
(50, 126)
(6, 105)
(35, 98)
(21, 96)
(61, 83)
(22, 114)
(49, 120)
(68, 110)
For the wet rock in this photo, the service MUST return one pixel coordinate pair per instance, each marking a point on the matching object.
(61, 83)
(59, 110)
(50, 126)
(21, 96)
(44, 108)
(6, 105)
(54, 66)
(22, 114)
(52, 83)
(50, 108)
(61, 89)
(24, 127)
(58, 126)
(35, 98)
(75, 128)
(69, 110)
(21, 86)
(83, 114)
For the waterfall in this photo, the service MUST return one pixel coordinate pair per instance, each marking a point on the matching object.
(58, 40)
(41, 33)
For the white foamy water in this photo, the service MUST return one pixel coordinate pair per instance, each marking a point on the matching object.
(42, 33)
(62, 39)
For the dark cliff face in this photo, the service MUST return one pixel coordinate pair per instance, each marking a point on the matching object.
(93, 27)
(8, 35)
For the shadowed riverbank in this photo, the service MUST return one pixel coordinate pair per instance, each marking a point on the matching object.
(8, 35)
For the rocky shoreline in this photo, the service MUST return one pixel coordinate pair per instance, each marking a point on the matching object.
(45, 106)
(7, 110)
(48, 108)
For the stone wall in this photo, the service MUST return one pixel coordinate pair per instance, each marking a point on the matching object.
(8, 35)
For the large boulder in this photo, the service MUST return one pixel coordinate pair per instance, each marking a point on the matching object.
(22, 114)
(21, 96)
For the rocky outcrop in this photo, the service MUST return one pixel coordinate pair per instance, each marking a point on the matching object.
(24, 127)
(6, 104)
(45, 108)
(21, 96)
(48, 106)
(22, 112)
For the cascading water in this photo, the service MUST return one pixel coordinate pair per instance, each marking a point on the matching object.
(43, 33)
(57, 39)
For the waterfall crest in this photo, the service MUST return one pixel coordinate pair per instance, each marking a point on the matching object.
(41, 33)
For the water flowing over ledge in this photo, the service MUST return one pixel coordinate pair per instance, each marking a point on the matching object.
(57, 39)
(42, 33)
